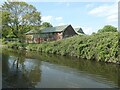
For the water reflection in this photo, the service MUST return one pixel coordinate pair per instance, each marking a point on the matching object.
(29, 69)
(108, 72)
(21, 72)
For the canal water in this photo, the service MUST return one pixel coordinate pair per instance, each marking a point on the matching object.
(22, 69)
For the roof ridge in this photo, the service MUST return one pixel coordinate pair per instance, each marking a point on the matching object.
(55, 29)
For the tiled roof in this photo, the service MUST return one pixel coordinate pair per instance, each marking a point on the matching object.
(79, 30)
(54, 29)
(49, 29)
(33, 32)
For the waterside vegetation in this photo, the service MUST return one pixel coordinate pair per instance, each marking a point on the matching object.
(100, 47)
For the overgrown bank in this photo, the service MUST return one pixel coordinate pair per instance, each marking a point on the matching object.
(100, 47)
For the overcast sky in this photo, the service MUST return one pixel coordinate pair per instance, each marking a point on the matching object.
(90, 16)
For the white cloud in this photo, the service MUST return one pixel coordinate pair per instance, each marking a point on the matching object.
(58, 18)
(112, 18)
(110, 12)
(100, 11)
(51, 18)
(46, 18)
(88, 30)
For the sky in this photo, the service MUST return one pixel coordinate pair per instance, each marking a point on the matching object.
(90, 16)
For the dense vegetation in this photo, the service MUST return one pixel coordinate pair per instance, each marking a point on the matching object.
(100, 47)
(108, 28)
(19, 18)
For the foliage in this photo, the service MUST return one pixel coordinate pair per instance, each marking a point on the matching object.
(46, 24)
(5, 19)
(100, 47)
(108, 28)
(18, 17)
(15, 45)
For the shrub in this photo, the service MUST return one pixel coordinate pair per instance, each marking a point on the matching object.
(99, 46)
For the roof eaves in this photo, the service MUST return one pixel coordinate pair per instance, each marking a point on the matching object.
(55, 29)
(66, 27)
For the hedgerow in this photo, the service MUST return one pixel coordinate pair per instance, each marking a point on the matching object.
(99, 47)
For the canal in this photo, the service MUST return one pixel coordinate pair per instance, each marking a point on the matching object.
(23, 69)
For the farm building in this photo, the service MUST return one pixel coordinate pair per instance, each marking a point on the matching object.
(79, 31)
(51, 33)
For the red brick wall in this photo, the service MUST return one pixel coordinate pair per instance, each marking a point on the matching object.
(58, 35)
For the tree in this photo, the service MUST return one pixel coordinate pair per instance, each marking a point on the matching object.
(93, 33)
(46, 24)
(20, 16)
(5, 19)
(108, 28)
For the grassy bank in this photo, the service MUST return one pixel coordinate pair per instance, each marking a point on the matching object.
(100, 47)
(14, 45)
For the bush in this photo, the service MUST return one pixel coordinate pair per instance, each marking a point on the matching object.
(16, 45)
(99, 47)
(108, 28)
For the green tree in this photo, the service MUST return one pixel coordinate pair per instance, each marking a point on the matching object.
(108, 28)
(20, 16)
(5, 26)
(46, 24)
(93, 33)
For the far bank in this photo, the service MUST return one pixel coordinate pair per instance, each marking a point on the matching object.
(101, 47)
